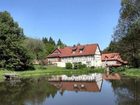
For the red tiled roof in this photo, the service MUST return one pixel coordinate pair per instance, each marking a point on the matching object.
(112, 57)
(88, 49)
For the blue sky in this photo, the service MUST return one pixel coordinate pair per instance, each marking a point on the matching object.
(73, 21)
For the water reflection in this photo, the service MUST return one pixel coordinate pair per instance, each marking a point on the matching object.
(41, 92)
(112, 76)
(127, 91)
(27, 91)
(87, 83)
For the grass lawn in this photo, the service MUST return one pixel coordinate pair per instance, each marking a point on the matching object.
(50, 70)
(131, 72)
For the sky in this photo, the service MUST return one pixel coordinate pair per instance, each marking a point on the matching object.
(73, 21)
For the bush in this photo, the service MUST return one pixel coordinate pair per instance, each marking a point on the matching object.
(79, 65)
(68, 66)
(92, 67)
(117, 69)
(75, 66)
(84, 66)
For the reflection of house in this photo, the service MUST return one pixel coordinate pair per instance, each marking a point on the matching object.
(78, 86)
(112, 59)
(86, 54)
(92, 82)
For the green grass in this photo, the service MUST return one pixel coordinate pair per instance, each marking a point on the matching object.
(131, 72)
(51, 70)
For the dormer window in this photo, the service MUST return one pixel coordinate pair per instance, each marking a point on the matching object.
(74, 48)
(81, 49)
(73, 52)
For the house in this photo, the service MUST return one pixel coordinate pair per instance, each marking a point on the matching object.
(87, 83)
(89, 54)
(112, 59)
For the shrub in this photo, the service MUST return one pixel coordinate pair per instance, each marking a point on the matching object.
(79, 65)
(68, 66)
(84, 66)
(75, 66)
(117, 69)
(92, 67)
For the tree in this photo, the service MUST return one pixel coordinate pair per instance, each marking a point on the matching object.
(132, 40)
(12, 54)
(51, 41)
(45, 40)
(126, 35)
(60, 44)
(51, 45)
(36, 48)
(110, 48)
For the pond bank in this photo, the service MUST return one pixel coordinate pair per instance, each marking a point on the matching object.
(50, 70)
(131, 72)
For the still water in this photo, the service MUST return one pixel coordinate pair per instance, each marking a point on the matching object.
(41, 92)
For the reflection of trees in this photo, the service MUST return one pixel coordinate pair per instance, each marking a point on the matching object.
(127, 91)
(34, 92)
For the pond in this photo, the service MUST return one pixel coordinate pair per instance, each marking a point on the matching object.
(43, 92)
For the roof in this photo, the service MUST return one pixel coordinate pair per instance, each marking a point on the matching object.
(79, 50)
(112, 57)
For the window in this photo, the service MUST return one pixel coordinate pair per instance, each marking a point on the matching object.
(73, 52)
(81, 51)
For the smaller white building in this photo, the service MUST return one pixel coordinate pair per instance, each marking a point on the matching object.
(112, 59)
(89, 54)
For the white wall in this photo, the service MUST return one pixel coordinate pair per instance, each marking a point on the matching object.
(108, 63)
(78, 59)
(52, 60)
(61, 64)
(98, 61)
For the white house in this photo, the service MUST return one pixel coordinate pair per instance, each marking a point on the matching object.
(89, 54)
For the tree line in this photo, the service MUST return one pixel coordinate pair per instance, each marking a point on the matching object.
(126, 37)
(17, 51)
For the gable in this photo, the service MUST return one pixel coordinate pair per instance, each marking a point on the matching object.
(98, 52)
(56, 51)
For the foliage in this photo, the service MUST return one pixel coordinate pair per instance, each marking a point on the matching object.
(131, 72)
(60, 44)
(79, 65)
(68, 66)
(117, 69)
(75, 65)
(51, 45)
(35, 47)
(92, 67)
(126, 37)
(84, 66)
(12, 54)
